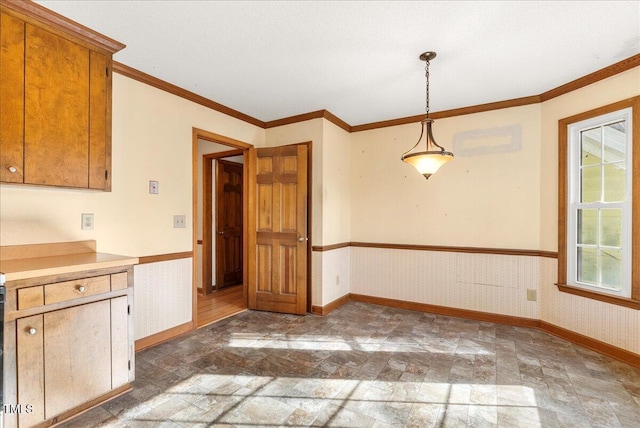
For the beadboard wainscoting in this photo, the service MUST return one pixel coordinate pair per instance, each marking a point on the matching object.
(493, 283)
(162, 295)
(331, 276)
(613, 324)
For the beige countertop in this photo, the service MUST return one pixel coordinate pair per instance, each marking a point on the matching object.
(23, 262)
(55, 265)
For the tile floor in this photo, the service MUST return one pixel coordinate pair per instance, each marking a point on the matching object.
(371, 366)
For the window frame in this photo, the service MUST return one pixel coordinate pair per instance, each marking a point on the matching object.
(565, 244)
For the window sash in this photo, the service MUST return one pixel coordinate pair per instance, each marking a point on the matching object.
(575, 174)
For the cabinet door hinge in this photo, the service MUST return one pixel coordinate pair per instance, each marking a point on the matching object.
(128, 309)
(106, 174)
(129, 364)
(107, 70)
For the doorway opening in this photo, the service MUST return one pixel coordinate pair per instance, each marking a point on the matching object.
(219, 189)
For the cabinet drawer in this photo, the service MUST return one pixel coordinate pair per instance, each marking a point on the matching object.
(75, 289)
(30, 297)
(119, 281)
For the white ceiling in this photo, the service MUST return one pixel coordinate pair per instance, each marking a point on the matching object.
(359, 60)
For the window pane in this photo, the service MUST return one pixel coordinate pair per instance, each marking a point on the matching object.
(588, 227)
(614, 182)
(591, 184)
(591, 146)
(587, 265)
(611, 227)
(615, 142)
(611, 268)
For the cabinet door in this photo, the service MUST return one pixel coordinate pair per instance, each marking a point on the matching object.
(56, 147)
(119, 341)
(12, 96)
(30, 360)
(77, 355)
(100, 122)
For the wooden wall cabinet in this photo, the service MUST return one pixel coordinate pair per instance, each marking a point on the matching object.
(74, 343)
(55, 86)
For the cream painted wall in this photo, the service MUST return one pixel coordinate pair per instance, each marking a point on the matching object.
(488, 196)
(619, 87)
(336, 184)
(485, 199)
(609, 323)
(151, 141)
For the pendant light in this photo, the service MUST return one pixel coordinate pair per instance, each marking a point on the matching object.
(429, 161)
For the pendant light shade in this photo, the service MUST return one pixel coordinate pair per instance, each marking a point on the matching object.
(427, 162)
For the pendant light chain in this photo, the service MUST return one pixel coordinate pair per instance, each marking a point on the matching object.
(426, 74)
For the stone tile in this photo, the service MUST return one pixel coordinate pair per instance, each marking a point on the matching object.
(256, 409)
(423, 415)
(371, 366)
(336, 416)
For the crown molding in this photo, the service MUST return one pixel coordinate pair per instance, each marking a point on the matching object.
(604, 73)
(33, 12)
(324, 114)
(596, 76)
(148, 79)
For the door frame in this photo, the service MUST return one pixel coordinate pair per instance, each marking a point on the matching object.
(248, 171)
(207, 213)
(234, 145)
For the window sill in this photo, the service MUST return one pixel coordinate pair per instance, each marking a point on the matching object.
(614, 300)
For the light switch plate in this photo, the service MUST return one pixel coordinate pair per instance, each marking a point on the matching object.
(87, 221)
(179, 221)
(154, 187)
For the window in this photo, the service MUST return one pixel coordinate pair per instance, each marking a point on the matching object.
(597, 257)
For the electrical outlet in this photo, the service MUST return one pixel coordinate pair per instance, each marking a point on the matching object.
(532, 294)
(154, 188)
(179, 221)
(87, 221)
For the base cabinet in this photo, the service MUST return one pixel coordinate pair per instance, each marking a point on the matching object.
(75, 352)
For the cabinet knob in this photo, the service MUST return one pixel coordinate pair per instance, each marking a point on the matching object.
(302, 239)
(13, 169)
(32, 331)
(81, 288)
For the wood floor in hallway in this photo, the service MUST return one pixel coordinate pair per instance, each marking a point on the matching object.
(221, 304)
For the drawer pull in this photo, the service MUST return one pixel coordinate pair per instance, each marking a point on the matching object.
(81, 288)
(32, 331)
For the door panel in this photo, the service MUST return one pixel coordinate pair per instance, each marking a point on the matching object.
(228, 224)
(278, 230)
(56, 110)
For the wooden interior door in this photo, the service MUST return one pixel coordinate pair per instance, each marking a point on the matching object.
(228, 224)
(278, 235)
